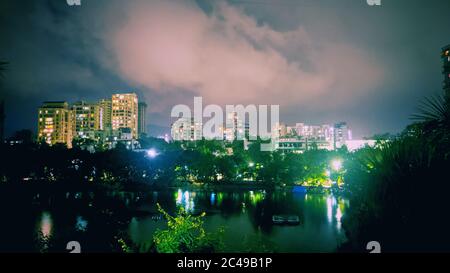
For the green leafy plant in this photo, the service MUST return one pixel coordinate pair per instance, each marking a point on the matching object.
(185, 234)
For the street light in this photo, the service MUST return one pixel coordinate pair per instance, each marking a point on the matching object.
(336, 164)
(152, 153)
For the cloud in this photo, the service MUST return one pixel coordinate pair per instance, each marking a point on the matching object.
(227, 57)
(321, 61)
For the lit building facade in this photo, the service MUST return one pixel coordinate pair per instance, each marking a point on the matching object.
(125, 113)
(235, 129)
(55, 123)
(87, 119)
(341, 134)
(185, 129)
(105, 106)
(142, 122)
(291, 144)
(303, 137)
(314, 132)
(446, 69)
(279, 130)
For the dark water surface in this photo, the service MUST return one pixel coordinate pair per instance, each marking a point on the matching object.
(48, 223)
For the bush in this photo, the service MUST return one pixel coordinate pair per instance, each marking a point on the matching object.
(185, 234)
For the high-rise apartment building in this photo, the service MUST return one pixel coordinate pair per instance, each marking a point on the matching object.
(105, 114)
(125, 113)
(86, 119)
(142, 125)
(314, 132)
(235, 129)
(186, 129)
(446, 69)
(55, 123)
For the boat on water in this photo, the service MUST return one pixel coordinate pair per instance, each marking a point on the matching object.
(286, 219)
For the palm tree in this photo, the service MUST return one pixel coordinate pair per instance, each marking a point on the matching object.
(386, 180)
(434, 117)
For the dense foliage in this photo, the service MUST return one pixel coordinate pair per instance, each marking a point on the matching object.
(201, 162)
(399, 189)
(185, 234)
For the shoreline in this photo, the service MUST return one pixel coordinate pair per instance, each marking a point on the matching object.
(142, 188)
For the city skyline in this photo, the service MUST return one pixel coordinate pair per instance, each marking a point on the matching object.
(88, 118)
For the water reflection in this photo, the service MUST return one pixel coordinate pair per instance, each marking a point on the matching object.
(330, 201)
(81, 224)
(246, 215)
(45, 231)
(186, 200)
(212, 198)
(335, 210)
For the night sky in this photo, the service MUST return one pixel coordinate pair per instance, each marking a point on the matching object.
(322, 61)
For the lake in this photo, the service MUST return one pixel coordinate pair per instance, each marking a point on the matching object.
(47, 222)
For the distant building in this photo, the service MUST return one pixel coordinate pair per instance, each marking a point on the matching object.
(87, 119)
(318, 132)
(314, 136)
(314, 132)
(291, 130)
(235, 129)
(303, 137)
(299, 128)
(341, 134)
(55, 123)
(20, 137)
(125, 113)
(446, 69)
(142, 125)
(279, 130)
(291, 144)
(353, 145)
(186, 129)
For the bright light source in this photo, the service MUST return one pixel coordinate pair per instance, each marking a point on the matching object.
(152, 153)
(336, 164)
(251, 164)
